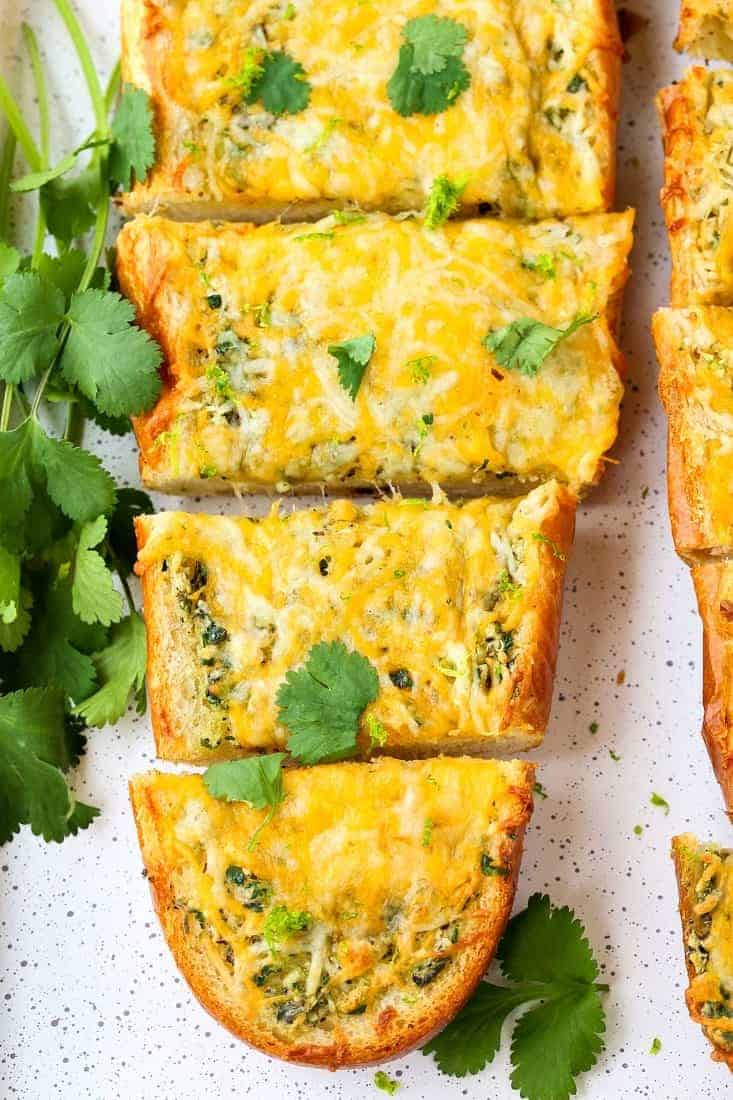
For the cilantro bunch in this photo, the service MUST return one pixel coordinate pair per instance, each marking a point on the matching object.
(72, 645)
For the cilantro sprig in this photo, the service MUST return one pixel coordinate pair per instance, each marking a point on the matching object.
(72, 645)
(321, 704)
(430, 73)
(525, 344)
(544, 953)
(274, 78)
(353, 357)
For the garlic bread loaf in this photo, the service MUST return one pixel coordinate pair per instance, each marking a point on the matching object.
(267, 110)
(363, 916)
(456, 605)
(480, 355)
(705, 881)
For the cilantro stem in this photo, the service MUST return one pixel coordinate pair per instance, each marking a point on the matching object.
(113, 87)
(13, 114)
(115, 562)
(39, 80)
(87, 65)
(31, 44)
(7, 156)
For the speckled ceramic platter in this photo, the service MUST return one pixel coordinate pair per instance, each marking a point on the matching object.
(91, 1004)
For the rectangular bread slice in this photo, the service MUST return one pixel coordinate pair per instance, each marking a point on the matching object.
(714, 590)
(268, 110)
(363, 915)
(253, 323)
(706, 29)
(457, 606)
(695, 352)
(705, 882)
(697, 197)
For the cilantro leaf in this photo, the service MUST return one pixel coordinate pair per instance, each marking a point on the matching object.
(353, 357)
(120, 670)
(93, 594)
(545, 943)
(545, 952)
(322, 702)
(9, 260)
(14, 627)
(15, 485)
(35, 750)
(133, 143)
(434, 40)
(555, 1041)
(75, 479)
(31, 310)
(281, 85)
(257, 780)
(56, 652)
(443, 200)
(524, 344)
(102, 338)
(63, 271)
(472, 1038)
(430, 73)
(130, 503)
(69, 203)
(33, 181)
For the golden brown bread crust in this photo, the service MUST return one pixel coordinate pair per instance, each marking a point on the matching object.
(397, 1036)
(685, 893)
(678, 136)
(144, 47)
(688, 509)
(706, 29)
(695, 197)
(717, 617)
(174, 672)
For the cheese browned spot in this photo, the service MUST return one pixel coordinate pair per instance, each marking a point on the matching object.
(456, 605)
(705, 876)
(695, 351)
(697, 116)
(341, 936)
(252, 397)
(706, 29)
(534, 133)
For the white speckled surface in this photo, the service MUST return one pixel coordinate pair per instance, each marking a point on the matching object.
(91, 1004)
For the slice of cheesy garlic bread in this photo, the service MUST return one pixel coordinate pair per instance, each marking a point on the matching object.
(706, 29)
(714, 590)
(705, 881)
(361, 918)
(695, 352)
(267, 109)
(479, 355)
(457, 607)
(697, 197)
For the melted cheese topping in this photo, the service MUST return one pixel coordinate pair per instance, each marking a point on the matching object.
(708, 881)
(706, 28)
(699, 199)
(444, 599)
(696, 355)
(253, 395)
(533, 133)
(380, 906)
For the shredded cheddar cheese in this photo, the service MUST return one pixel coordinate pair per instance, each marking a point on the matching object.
(533, 132)
(246, 316)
